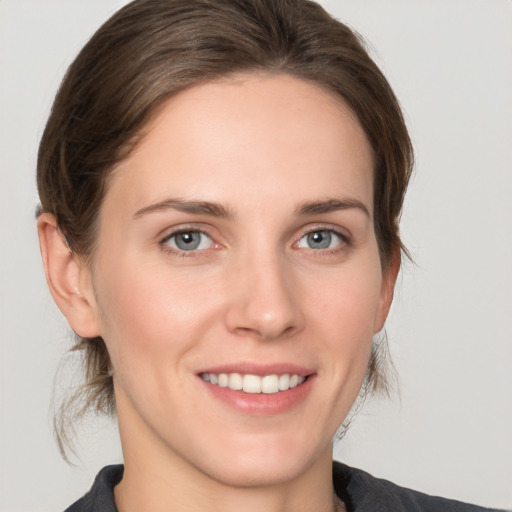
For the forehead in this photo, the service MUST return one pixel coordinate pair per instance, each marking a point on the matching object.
(257, 133)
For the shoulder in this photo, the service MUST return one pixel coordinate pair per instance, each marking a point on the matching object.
(363, 492)
(101, 496)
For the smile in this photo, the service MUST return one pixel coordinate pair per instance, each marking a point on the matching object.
(254, 384)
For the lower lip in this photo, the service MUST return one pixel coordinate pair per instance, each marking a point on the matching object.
(262, 404)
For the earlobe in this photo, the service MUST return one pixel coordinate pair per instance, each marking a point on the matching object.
(387, 290)
(68, 279)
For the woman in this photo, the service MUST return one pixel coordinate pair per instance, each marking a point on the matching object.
(220, 188)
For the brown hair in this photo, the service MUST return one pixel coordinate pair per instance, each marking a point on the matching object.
(150, 50)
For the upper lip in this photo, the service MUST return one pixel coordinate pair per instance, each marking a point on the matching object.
(252, 368)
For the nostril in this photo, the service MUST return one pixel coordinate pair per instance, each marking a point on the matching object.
(264, 305)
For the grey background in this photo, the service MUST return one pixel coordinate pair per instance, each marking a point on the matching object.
(449, 430)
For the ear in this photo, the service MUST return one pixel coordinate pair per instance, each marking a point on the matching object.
(68, 278)
(387, 289)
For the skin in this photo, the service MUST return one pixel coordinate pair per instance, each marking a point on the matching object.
(259, 147)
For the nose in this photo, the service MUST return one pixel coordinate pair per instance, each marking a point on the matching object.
(264, 299)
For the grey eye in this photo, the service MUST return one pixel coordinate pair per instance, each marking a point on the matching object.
(189, 241)
(321, 239)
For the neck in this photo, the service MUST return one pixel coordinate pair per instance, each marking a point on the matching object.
(171, 486)
(159, 478)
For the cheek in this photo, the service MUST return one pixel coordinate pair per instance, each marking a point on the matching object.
(147, 310)
(349, 303)
(150, 327)
(346, 312)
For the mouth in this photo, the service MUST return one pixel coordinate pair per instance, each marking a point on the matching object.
(255, 384)
(261, 390)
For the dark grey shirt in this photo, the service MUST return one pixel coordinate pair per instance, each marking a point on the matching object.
(360, 491)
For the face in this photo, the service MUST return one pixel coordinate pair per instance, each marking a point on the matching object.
(236, 249)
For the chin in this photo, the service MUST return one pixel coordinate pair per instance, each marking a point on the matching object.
(263, 460)
(258, 473)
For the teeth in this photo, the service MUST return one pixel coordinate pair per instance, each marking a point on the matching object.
(235, 381)
(284, 382)
(269, 384)
(254, 384)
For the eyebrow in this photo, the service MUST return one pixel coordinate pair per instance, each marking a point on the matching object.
(331, 205)
(218, 210)
(181, 205)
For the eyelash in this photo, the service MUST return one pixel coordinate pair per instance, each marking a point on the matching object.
(164, 242)
(344, 240)
(181, 253)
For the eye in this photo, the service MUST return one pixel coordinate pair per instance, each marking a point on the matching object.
(191, 240)
(320, 239)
